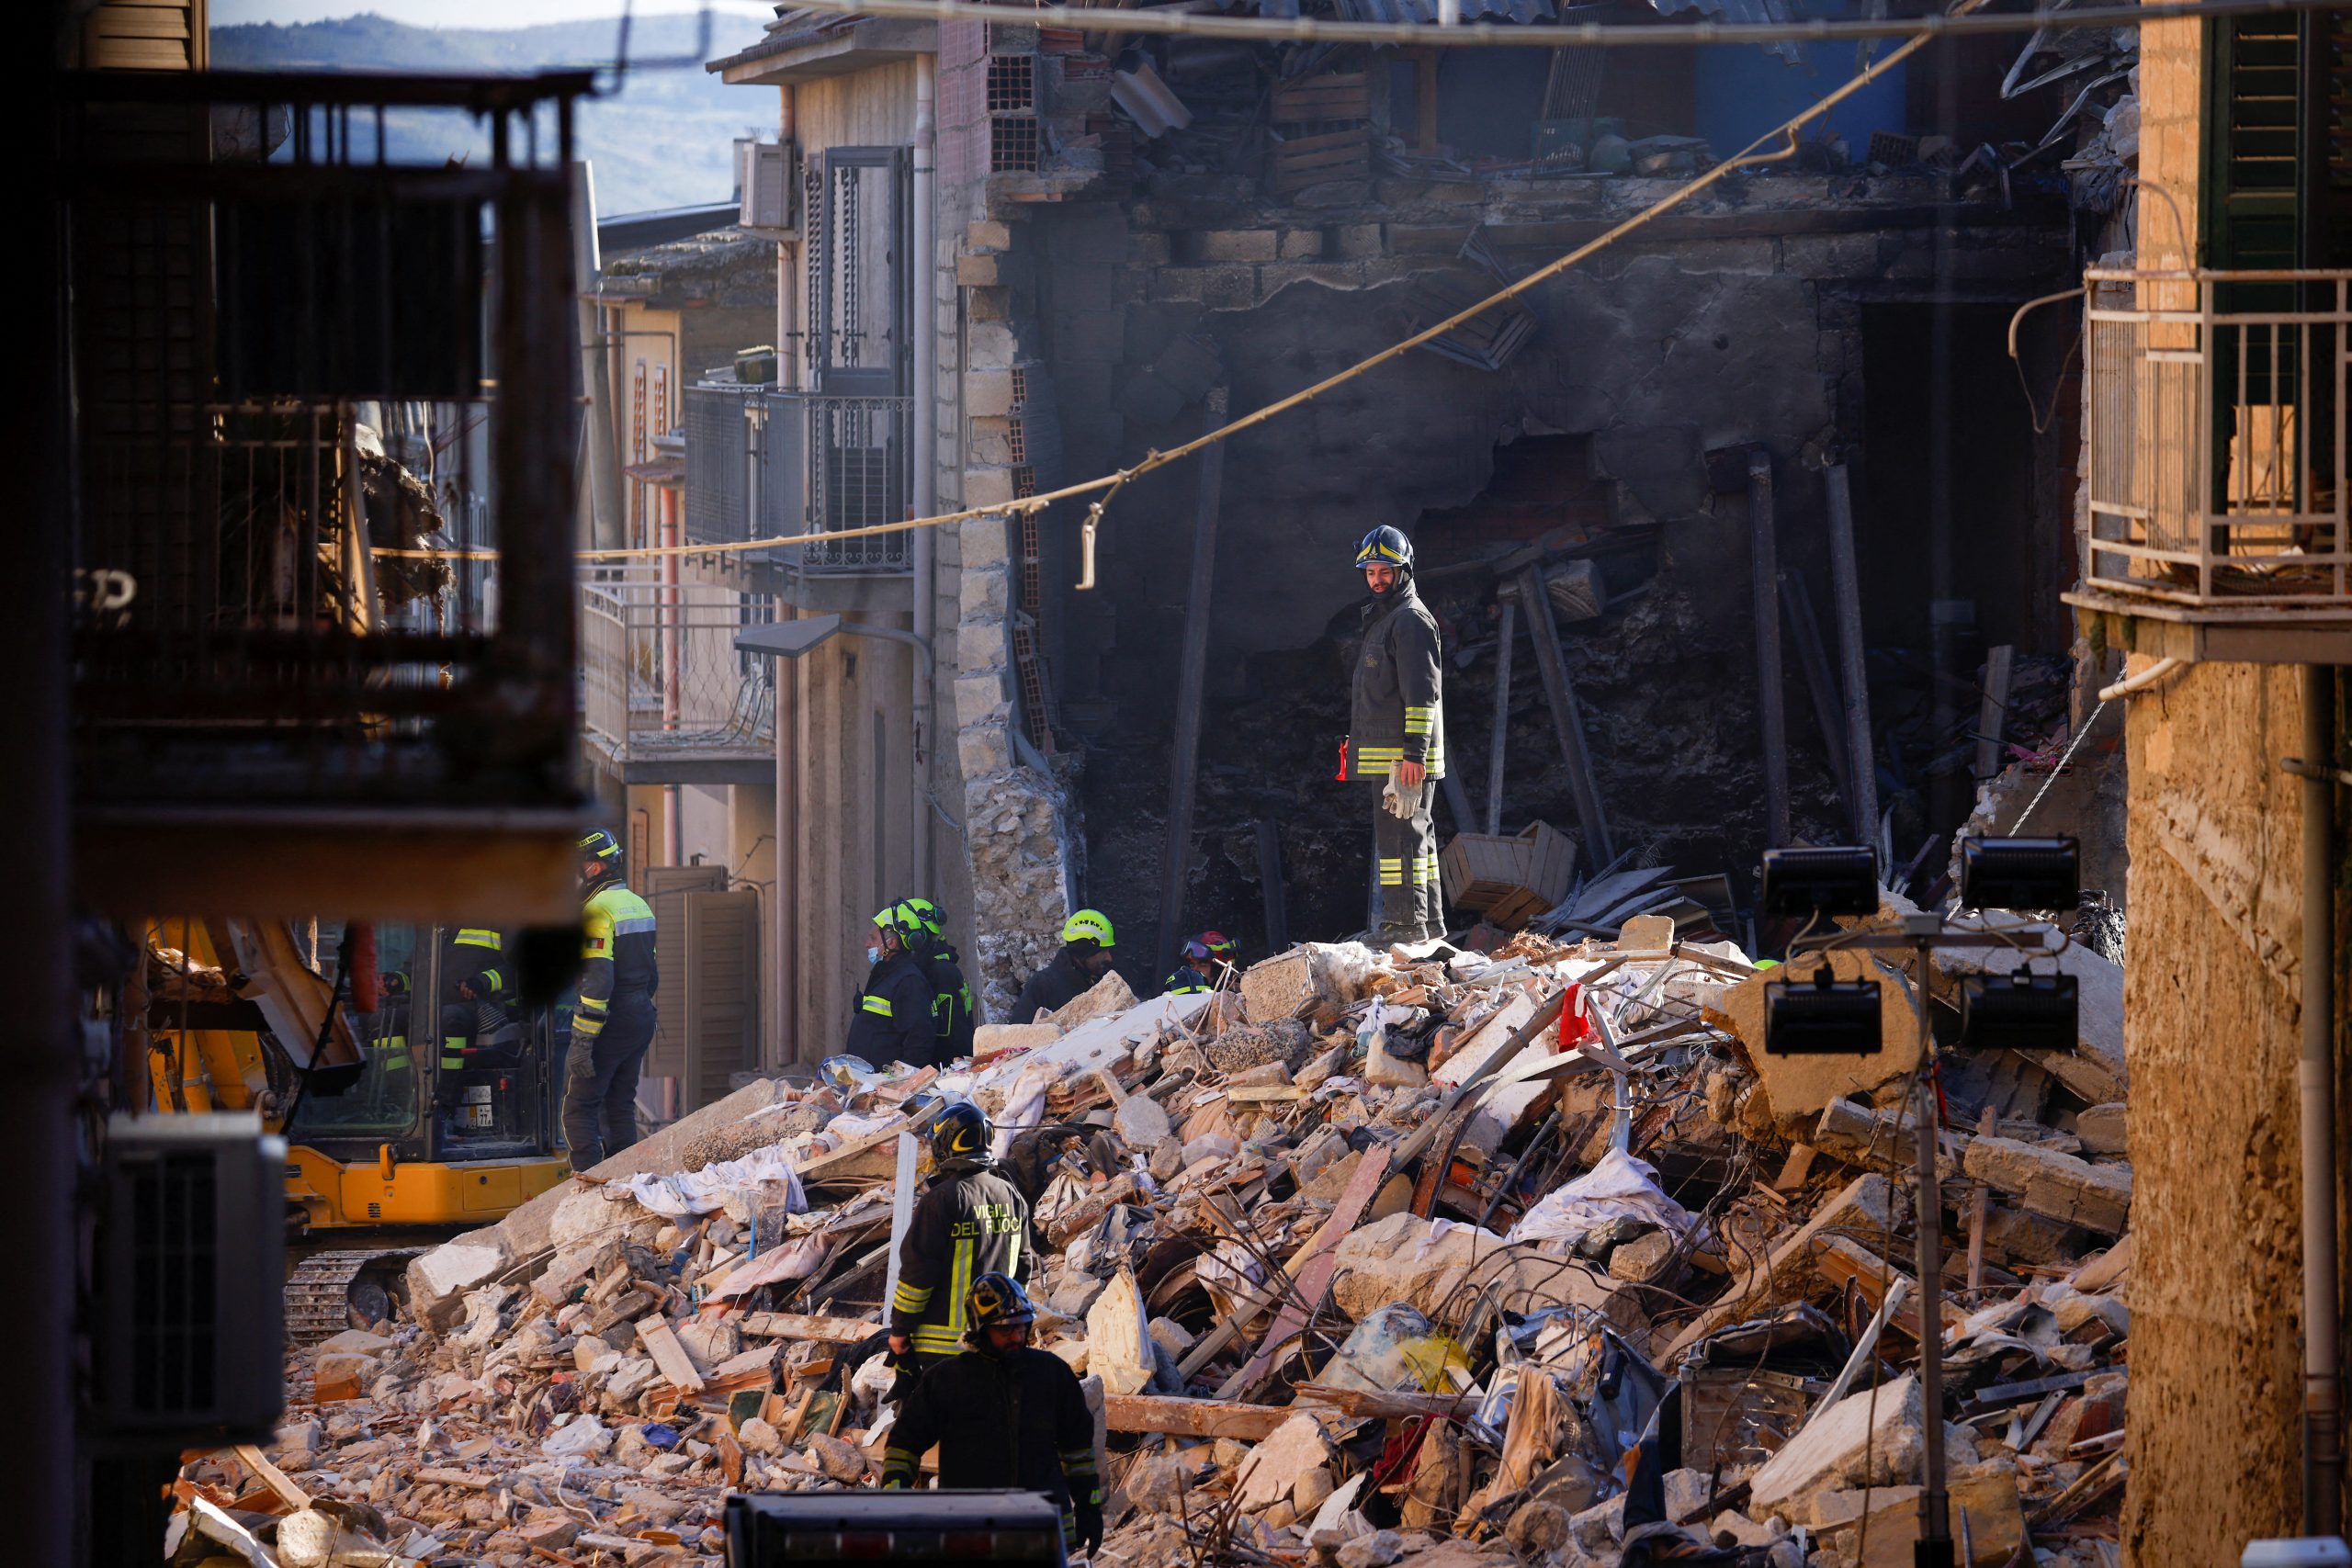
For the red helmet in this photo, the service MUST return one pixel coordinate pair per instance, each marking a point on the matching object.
(1221, 947)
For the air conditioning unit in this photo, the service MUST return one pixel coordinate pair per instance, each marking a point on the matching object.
(767, 175)
(188, 1310)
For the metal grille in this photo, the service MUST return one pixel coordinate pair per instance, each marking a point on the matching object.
(174, 1330)
(2215, 438)
(661, 673)
(860, 473)
(718, 454)
(278, 393)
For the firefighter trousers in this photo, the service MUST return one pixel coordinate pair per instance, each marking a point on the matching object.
(1404, 852)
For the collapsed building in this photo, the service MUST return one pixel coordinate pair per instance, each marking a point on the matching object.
(1424, 1256)
(1013, 257)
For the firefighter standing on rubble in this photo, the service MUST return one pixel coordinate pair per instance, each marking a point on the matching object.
(1087, 944)
(612, 1026)
(894, 1021)
(1396, 735)
(954, 1014)
(971, 1222)
(1004, 1416)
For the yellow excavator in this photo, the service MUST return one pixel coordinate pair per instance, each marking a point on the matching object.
(386, 1126)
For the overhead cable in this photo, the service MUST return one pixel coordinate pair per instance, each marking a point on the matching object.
(1108, 485)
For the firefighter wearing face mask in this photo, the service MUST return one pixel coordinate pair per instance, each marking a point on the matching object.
(893, 1021)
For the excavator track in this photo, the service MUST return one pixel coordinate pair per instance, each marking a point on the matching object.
(329, 1292)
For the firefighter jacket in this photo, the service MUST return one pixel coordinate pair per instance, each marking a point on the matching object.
(472, 953)
(1055, 987)
(1394, 710)
(972, 1222)
(954, 1014)
(1017, 1421)
(620, 976)
(893, 1021)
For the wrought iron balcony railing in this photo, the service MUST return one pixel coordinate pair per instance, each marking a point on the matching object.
(762, 463)
(667, 699)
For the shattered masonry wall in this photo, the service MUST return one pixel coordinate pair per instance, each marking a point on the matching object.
(1016, 815)
(1740, 321)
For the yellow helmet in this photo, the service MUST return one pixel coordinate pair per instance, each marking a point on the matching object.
(1090, 925)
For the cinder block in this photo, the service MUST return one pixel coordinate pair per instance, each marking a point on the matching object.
(1219, 287)
(1424, 240)
(1238, 246)
(1149, 247)
(1302, 245)
(990, 344)
(988, 234)
(990, 270)
(1358, 239)
(988, 304)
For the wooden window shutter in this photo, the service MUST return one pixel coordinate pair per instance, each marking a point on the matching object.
(667, 887)
(722, 992)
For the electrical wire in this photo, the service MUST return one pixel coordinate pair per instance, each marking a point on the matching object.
(1579, 35)
(1108, 485)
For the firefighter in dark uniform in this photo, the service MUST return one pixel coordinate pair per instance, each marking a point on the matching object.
(1087, 944)
(971, 1222)
(611, 1024)
(472, 980)
(954, 1014)
(1004, 1416)
(893, 1021)
(1397, 727)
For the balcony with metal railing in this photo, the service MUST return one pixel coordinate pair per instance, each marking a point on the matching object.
(765, 463)
(2215, 464)
(665, 697)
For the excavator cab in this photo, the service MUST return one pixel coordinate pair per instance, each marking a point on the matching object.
(453, 1117)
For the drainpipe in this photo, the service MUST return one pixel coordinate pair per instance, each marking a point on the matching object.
(669, 660)
(2322, 1377)
(926, 391)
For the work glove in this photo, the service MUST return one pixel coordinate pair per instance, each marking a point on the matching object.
(1394, 800)
(1090, 1526)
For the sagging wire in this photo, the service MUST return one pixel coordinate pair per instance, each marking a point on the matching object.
(1108, 485)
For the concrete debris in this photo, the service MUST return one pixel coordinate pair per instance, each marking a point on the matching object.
(1274, 1265)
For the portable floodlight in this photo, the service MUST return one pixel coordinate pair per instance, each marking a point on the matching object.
(1837, 881)
(1821, 1017)
(2020, 874)
(2021, 1011)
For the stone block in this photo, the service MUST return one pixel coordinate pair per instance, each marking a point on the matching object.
(988, 234)
(1799, 1088)
(988, 304)
(990, 270)
(987, 390)
(2101, 1129)
(1236, 245)
(984, 748)
(1359, 239)
(990, 344)
(985, 593)
(1274, 1467)
(984, 541)
(1301, 244)
(979, 698)
(1149, 247)
(980, 645)
(1873, 1436)
(2056, 1186)
(988, 485)
(1219, 287)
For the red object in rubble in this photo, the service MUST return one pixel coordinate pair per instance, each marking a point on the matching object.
(1575, 1025)
(365, 995)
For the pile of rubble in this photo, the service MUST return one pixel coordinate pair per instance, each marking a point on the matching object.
(1429, 1257)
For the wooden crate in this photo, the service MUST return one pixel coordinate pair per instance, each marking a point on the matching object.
(1511, 878)
(1334, 96)
(1294, 163)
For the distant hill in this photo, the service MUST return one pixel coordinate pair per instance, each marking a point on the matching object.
(664, 140)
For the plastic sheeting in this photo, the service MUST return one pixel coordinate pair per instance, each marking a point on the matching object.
(706, 1191)
(1619, 1188)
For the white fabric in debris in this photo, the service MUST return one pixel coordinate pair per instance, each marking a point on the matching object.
(1619, 1188)
(703, 1191)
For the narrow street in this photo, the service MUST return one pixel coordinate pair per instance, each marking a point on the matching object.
(1260, 783)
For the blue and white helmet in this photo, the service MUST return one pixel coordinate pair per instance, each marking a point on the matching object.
(1385, 547)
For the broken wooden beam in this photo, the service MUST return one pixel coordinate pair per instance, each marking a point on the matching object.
(1846, 593)
(1567, 720)
(1497, 744)
(1771, 715)
(661, 1344)
(1184, 750)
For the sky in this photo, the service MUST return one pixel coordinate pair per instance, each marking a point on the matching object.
(460, 12)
